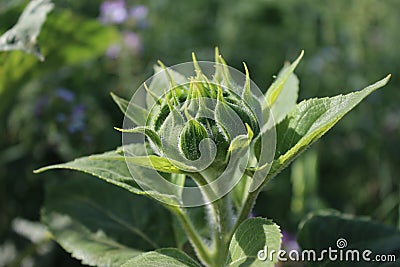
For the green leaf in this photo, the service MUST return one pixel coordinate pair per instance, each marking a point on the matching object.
(248, 98)
(92, 248)
(310, 120)
(251, 237)
(134, 112)
(155, 163)
(112, 167)
(287, 98)
(276, 88)
(323, 229)
(152, 162)
(151, 134)
(79, 37)
(23, 36)
(114, 172)
(242, 141)
(101, 224)
(169, 257)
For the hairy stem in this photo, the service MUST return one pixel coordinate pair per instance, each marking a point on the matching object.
(244, 211)
(219, 220)
(250, 201)
(201, 249)
(221, 242)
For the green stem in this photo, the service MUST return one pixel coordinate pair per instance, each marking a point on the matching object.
(250, 201)
(245, 211)
(201, 249)
(217, 222)
(221, 240)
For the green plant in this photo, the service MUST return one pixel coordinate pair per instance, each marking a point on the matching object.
(186, 122)
(360, 233)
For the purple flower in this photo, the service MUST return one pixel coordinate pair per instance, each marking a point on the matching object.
(133, 42)
(77, 122)
(138, 12)
(289, 242)
(65, 94)
(113, 51)
(113, 12)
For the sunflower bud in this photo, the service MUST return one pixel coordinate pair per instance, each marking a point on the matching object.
(194, 120)
(205, 121)
(201, 110)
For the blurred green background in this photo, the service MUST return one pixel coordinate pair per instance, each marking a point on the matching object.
(61, 109)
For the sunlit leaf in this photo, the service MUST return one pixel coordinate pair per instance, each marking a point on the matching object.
(276, 89)
(113, 171)
(134, 112)
(155, 162)
(287, 98)
(168, 257)
(310, 120)
(23, 36)
(251, 237)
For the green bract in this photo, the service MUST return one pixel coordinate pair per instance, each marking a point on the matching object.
(196, 129)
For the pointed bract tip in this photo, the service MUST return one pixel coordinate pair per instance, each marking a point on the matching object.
(187, 114)
(250, 133)
(154, 96)
(217, 54)
(384, 81)
(247, 82)
(246, 69)
(196, 64)
(220, 94)
(299, 57)
(168, 100)
(161, 64)
(125, 130)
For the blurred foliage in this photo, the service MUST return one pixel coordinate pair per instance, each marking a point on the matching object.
(60, 109)
(316, 233)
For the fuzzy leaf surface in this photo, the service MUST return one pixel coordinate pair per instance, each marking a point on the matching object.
(251, 237)
(310, 120)
(103, 225)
